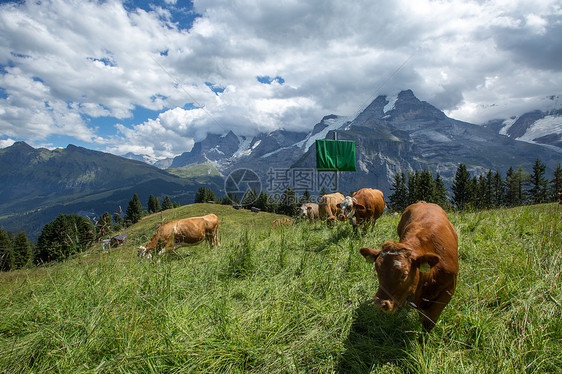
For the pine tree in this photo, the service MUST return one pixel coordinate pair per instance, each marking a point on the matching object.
(204, 194)
(22, 250)
(153, 204)
(249, 198)
(305, 198)
(63, 237)
(104, 226)
(200, 195)
(398, 199)
(262, 202)
(6, 252)
(167, 203)
(461, 188)
(538, 191)
(134, 210)
(426, 186)
(488, 202)
(556, 183)
(288, 202)
(480, 195)
(413, 193)
(440, 192)
(117, 221)
(498, 196)
(209, 195)
(515, 181)
(510, 187)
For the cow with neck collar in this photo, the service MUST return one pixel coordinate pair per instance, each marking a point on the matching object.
(421, 268)
(364, 207)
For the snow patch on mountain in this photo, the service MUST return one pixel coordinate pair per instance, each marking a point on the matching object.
(542, 127)
(507, 124)
(216, 149)
(332, 124)
(244, 148)
(391, 102)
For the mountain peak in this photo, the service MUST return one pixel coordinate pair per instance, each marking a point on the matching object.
(407, 94)
(21, 146)
(404, 106)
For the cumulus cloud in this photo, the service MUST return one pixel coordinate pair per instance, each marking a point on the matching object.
(251, 66)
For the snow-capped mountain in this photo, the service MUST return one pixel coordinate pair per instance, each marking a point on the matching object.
(538, 127)
(392, 134)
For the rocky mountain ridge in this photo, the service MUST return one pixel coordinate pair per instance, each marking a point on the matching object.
(393, 134)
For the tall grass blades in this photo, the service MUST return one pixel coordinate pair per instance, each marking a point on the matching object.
(293, 299)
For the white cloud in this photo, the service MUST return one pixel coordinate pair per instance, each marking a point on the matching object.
(67, 64)
(6, 143)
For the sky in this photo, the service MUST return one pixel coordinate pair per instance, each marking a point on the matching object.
(153, 77)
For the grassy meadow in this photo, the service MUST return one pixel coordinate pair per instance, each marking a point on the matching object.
(295, 299)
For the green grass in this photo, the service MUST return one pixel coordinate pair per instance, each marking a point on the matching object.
(206, 169)
(287, 300)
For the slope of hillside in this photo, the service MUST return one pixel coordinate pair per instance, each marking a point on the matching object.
(295, 299)
(38, 184)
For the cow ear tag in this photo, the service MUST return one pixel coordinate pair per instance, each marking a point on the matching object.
(425, 268)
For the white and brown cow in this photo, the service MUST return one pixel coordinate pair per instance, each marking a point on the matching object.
(422, 267)
(187, 231)
(364, 207)
(309, 211)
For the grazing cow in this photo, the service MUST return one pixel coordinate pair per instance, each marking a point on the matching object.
(363, 207)
(328, 207)
(187, 231)
(282, 221)
(309, 210)
(422, 267)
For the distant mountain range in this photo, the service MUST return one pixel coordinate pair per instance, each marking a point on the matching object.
(38, 184)
(393, 134)
(537, 127)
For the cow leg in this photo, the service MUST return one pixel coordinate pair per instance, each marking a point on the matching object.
(430, 314)
(216, 237)
(366, 226)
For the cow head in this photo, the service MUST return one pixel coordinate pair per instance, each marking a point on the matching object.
(398, 272)
(304, 211)
(349, 206)
(310, 212)
(331, 221)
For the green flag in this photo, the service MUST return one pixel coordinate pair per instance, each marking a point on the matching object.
(335, 155)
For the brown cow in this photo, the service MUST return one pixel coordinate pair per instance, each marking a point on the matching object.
(309, 210)
(328, 207)
(187, 231)
(559, 197)
(427, 240)
(363, 207)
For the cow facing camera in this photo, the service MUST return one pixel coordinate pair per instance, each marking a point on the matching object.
(242, 186)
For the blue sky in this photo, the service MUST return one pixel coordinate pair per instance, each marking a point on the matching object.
(153, 77)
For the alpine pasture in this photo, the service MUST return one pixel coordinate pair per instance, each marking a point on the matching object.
(294, 299)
